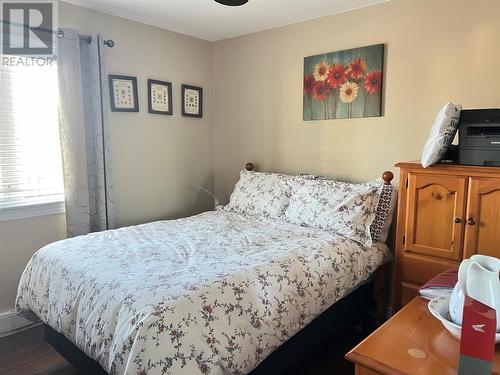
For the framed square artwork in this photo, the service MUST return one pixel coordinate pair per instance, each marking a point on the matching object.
(159, 97)
(192, 101)
(123, 93)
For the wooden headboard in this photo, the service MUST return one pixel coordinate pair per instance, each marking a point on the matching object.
(387, 176)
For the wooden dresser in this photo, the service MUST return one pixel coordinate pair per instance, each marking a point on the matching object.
(445, 213)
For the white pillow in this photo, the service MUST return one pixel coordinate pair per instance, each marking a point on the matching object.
(344, 208)
(442, 133)
(260, 193)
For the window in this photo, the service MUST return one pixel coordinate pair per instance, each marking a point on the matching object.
(30, 156)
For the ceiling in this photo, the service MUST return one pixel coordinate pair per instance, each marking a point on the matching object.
(206, 19)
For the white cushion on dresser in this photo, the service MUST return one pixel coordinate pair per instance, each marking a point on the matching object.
(442, 133)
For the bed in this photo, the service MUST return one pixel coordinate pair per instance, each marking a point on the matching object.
(213, 293)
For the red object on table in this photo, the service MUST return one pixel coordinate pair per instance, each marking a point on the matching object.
(446, 279)
(477, 344)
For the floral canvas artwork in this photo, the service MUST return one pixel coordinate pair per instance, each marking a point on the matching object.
(344, 84)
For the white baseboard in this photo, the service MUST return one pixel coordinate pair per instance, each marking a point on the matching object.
(11, 322)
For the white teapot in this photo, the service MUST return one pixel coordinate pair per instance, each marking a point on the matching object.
(478, 279)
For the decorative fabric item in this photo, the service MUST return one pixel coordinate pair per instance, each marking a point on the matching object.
(344, 208)
(387, 203)
(306, 176)
(383, 219)
(442, 133)
(85, 154)
(214, 293)
(385, 210)
(309, 176)
(260, 193)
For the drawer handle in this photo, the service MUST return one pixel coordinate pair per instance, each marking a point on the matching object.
(457, 220)
(471, 221)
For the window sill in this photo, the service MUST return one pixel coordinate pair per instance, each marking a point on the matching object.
(32, 210)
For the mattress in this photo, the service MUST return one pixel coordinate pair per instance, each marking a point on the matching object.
(213, 293)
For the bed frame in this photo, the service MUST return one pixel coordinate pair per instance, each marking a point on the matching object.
(344, 313)
(387, 176)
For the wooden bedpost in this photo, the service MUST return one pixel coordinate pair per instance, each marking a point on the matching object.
(383, 274)
(249, 166)
(387, 176)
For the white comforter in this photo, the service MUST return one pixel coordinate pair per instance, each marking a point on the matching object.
(214, 293)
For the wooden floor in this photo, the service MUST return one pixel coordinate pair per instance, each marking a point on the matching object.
(27, 353)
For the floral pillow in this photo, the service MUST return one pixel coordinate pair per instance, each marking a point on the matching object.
(259, 193)
(344, 208)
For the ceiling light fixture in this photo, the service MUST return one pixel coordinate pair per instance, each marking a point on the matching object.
(232, 3)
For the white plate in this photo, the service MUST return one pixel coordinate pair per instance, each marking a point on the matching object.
(440, 308)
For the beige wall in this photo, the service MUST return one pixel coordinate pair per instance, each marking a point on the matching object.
(19, 239)
(157, 161)
(435, 51)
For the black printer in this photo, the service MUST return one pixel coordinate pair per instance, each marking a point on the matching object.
(479, 137)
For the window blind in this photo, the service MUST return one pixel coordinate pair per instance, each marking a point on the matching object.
(30, 155)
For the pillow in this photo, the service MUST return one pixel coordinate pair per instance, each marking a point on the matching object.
(442, 133)
(260, 193)
(379, 229)
(309, 176)
(344, 208)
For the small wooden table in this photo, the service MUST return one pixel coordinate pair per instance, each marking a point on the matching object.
(411, 342)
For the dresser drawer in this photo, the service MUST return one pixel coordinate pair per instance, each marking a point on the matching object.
(420, 269)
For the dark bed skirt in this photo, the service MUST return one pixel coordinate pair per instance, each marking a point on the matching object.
(342, 314)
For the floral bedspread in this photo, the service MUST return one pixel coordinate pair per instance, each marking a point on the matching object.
(210, 294)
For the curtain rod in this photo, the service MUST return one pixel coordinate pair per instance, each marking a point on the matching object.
(88, 38)
(107, 42)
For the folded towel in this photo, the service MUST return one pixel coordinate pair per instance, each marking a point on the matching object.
(440, 285)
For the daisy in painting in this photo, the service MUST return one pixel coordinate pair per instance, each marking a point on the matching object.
(373, 82)
(336, 75)
(373, 85)
(321, 71)
(321, 91)
(356, 68)
(308, 90)
(349, 92)
(308, 84)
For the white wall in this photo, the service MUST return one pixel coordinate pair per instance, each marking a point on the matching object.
(157, 161)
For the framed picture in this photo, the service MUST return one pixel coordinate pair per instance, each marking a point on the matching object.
(159, 97)
(123, 93)
(192, 101)
(344, 84)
